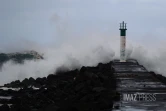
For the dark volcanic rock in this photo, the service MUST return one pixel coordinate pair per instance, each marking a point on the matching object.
(90, 89)
(160, 77)
(4, 107)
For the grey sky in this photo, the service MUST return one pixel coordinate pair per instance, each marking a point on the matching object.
(44, 21)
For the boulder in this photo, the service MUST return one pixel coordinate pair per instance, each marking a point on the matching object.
(4, 107)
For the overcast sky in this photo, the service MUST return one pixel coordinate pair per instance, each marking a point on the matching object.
(44, 21)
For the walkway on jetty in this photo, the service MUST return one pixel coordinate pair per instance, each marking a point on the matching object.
(133, 80)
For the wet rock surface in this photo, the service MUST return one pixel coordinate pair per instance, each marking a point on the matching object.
(140, 89)
(87, 89)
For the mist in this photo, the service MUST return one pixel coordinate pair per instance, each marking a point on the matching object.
(75, 33)
(153, 58)
(72, 54)
(88, 51)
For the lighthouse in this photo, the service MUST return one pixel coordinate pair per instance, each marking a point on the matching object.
(123, 42)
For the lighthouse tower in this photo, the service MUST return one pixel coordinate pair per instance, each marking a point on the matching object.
(123, 42)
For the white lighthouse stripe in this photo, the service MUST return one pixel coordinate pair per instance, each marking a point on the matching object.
(122, 49)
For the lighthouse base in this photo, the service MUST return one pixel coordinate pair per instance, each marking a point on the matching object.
(122, 60)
